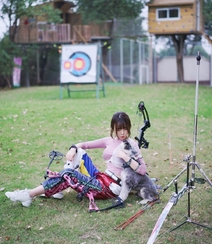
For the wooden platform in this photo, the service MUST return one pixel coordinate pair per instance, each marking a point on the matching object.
(61, 33)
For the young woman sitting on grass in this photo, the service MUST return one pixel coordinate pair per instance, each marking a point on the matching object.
(120, 130)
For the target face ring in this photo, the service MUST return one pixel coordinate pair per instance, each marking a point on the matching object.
(78, 64)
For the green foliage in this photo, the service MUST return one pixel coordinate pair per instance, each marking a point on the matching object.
(207, 13)
(167, 52)
(189, 49)
(198, 48)
(129, 28)
(191, 46)
(14, 9)
(8, 50)
(101, 10)
(51, 15)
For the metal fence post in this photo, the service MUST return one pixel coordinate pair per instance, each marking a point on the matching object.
(121, 60)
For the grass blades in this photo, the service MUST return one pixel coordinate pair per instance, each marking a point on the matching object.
(34, 121)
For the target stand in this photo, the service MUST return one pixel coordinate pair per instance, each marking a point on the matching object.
(81, 65)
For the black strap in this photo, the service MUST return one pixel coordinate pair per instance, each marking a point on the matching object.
(116, 203)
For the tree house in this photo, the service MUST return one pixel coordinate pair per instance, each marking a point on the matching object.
(36, 29)
(168, 17)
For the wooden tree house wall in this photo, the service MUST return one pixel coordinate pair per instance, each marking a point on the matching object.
(167, 17)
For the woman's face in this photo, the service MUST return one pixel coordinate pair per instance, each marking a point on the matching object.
(121, 133)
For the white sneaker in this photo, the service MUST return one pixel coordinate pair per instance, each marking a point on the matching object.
(58, 195)
(20, 196)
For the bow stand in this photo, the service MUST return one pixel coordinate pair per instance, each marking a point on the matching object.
(191, 162)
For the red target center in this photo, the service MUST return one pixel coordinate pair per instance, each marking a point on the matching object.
(67, 65)
(79, 64)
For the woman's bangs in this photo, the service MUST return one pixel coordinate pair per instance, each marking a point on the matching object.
(121, 125)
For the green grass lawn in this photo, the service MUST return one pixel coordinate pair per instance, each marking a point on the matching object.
(34, 121)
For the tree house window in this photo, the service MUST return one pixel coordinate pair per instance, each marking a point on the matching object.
(168, 13)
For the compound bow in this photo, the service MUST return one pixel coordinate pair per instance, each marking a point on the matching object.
(141, 140)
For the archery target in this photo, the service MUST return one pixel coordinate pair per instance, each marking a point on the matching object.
(78, 64)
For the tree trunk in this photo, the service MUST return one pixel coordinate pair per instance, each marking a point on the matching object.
(27, 79)
(8, 80)
(13, 30)
(178, 41)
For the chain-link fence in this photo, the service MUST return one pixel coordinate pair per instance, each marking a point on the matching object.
(128, 61)
(135, 62)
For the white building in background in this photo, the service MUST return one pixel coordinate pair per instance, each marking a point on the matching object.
(167, 70)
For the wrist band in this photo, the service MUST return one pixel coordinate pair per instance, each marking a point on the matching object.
(129, 162)
(73, 146)
(137, 167)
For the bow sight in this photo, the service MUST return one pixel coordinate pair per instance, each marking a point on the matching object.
(141, 140)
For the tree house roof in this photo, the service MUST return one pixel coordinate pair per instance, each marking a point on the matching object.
(166, 3)
(63, 5)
